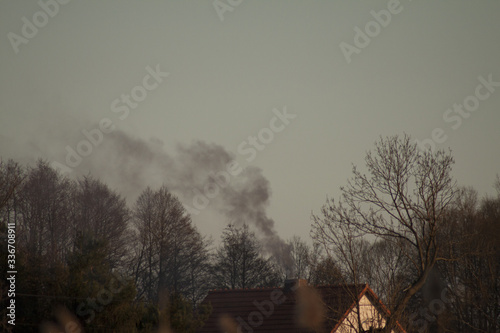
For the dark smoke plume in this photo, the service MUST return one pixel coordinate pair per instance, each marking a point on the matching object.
(130, 164)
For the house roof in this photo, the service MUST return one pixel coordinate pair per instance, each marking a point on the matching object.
(253, 307)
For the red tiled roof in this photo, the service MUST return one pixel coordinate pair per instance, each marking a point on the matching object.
(243, 306)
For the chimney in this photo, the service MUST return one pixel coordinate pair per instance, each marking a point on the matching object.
(293, 284)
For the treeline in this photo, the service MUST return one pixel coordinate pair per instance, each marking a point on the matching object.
(120, 268)
(429, 248)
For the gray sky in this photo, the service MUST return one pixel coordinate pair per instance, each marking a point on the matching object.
(226, 77)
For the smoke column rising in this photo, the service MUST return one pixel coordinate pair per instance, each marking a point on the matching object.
(129, 165)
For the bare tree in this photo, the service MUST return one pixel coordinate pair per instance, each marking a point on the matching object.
(40, 209)
(325, 271)
(103, 214)
(296, 260)
(44, 227)
(169, 248)
(473, 276)
(404, 199)
(238, 262)
(345, 246)
(198, 269)
(11, 177)
(387, 269)
(301, 254)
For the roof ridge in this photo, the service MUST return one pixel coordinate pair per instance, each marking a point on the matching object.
(338, 285)
(243, 289)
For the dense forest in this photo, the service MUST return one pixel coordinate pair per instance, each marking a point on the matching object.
(428, 247)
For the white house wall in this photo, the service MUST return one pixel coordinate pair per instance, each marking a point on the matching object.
(370, 316)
